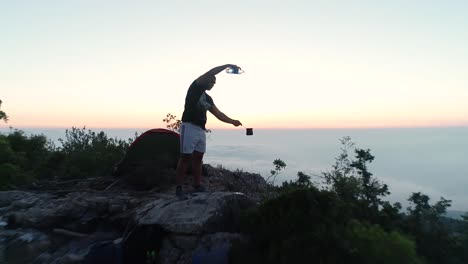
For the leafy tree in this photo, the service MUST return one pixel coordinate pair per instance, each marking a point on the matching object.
(342, 178)
(302, 181)
(463, 242)
(390, 216)
(172, 123)
(308, 225)
(424, 217)
(279, 165)
(301, 226)
(372, 189)
(351, 180)
(345, 222)
(424, 222)
(22, 158)
(3, 115)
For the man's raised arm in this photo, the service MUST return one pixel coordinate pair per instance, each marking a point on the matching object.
(219, 69)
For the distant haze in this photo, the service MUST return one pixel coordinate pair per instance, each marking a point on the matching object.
(428, 160)
(432, 161)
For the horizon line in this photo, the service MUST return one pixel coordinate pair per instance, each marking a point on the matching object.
(234, 128)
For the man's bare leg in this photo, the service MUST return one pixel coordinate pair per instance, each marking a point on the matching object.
(197, 163)
(182, 165)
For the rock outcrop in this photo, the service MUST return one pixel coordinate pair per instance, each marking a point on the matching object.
(120, 225)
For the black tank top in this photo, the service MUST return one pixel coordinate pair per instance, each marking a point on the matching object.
(197, 102)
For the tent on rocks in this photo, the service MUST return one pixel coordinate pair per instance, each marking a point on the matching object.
(151, 159)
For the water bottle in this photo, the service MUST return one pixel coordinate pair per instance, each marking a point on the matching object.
(234, 70)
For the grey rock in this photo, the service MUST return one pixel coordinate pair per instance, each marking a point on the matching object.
(22, 246)
(201, 213)
(204, 226)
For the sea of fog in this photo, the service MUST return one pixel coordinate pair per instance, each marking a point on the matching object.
(433, 161)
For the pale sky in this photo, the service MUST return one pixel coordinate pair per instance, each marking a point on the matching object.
(308, 64)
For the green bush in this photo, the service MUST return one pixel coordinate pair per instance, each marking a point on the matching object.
(371, 244)
(434, 240)
(21, 158)
(307, 225)
(25, 159)
(30, 152)
(339, 224)
(3, 115)
(9, 173)
(6, 153)
(89, 154)
(300, 226)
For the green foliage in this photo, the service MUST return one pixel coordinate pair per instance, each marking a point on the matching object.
(89, 154)
(9, 173)
(172, 123)
(424, 223)
(308, 225)
(463, 239)
(22, 158)
(347, 221)
(25, 159)
(3, 115)
(372, 189)
(300, 226)
(279, 165)
(303, 181)
(371, 244)
(6, 153)
(351, 180)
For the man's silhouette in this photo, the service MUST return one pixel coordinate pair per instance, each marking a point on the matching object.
(192, 129)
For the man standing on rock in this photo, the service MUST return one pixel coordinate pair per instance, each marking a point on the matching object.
(192, 129)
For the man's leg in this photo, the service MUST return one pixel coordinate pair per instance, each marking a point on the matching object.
(197, 163)
(188, 139)
(182, 165)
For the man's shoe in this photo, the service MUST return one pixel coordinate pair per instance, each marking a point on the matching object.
(199, 188)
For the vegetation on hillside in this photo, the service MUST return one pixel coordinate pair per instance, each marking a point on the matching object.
(344, 218)
(3, 115)
(83, 154)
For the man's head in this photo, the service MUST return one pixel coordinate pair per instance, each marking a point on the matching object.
(206, 81)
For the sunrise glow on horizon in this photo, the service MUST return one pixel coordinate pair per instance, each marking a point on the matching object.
(308, 64)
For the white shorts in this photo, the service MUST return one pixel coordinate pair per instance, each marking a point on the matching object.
(192, 138)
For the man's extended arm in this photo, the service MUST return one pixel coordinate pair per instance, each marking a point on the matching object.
(221, 116)
(219, 69)
(210, 75)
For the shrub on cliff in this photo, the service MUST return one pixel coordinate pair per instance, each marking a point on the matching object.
(22, 158)
(3, 115)
(25, 159)
(296, 226)
(346, 221)
(85, 153)
(308, 225)
(371, 244)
